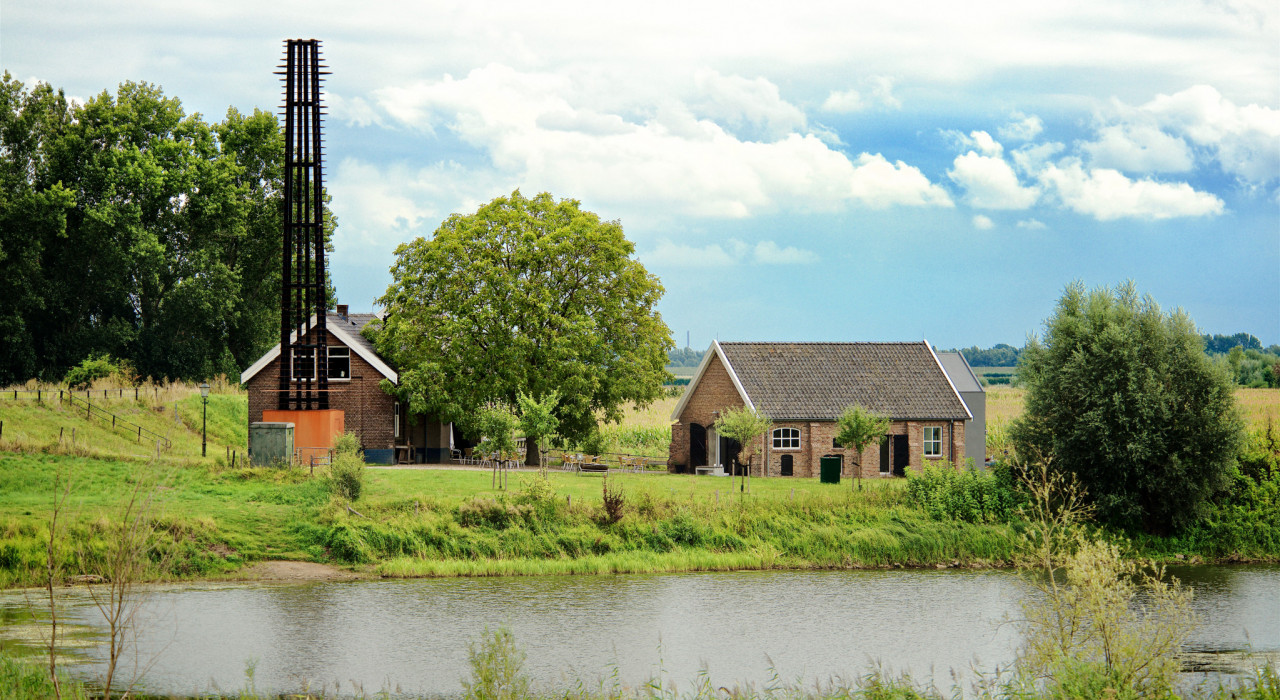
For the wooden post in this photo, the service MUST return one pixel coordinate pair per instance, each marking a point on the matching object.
(1, 430)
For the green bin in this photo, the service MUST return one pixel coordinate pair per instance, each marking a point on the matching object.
(829, 470)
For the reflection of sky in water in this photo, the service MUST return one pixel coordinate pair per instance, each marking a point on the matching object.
(412, 635)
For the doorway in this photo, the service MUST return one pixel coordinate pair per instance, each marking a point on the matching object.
(697, 446)
(729, 449)
(901, 455)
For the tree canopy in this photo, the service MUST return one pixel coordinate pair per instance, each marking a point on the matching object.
(131, 228)
(525, 295)
(857, 427)
(1123, 397)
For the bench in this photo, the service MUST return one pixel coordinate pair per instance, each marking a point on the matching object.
(593, 468)
(713, 471)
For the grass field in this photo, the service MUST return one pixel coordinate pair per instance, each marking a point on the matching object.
(1257, 405)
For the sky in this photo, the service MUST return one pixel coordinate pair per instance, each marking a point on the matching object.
(806, 171)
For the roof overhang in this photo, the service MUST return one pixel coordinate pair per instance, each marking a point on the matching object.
(714, 351)
(950, 383)
(339, 333)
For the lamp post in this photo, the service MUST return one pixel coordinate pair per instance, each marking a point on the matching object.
(204, 420)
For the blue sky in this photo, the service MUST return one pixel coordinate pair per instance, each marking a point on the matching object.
(791, 171)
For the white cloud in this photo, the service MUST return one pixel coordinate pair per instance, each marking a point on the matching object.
(770, 253)
(731, 252)
(983, 223)
(1245, 140)
(746, 107)
(1032, 225)
(1107, 194)
(1022, 128)
(879, 92)
(668, 254)
(1140, 148)
(989, 182)
(534, 131)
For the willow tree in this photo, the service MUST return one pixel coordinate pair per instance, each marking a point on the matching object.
(527, 295)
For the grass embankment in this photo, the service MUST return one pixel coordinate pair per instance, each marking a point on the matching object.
(171, 410)
(444, 523)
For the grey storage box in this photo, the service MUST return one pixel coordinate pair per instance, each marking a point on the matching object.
(270, 444)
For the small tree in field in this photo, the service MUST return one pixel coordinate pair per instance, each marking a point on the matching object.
(538, 422)
(496, 426)
(745, 425)
(856, 428)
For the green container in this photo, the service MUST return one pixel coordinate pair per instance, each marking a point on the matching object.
(270, 443)
(829, 470)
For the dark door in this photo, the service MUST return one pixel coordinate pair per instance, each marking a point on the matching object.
(901, 455)
(829, 469)
(884, 454)
(788, 465)
(697, 446)
(729, 449)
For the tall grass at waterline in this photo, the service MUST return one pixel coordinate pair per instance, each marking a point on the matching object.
(211, 520)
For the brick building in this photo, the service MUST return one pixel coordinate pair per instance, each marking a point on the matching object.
(804, 387)
(387, 432)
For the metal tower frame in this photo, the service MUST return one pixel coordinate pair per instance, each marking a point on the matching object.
(304, 366)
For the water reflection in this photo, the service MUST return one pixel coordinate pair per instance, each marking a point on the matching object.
(412, 636)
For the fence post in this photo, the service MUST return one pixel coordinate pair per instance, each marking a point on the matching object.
(1, 430)
(37, 396)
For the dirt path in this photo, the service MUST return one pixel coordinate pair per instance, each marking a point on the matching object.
(296, 571)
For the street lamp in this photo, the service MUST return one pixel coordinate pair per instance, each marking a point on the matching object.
(204, 421)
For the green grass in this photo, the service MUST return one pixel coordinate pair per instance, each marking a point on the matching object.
(172, 411)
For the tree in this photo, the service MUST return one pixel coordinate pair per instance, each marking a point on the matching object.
(130, 228)
(856, 428)
(1121, 396)
(745, 426)
(525, 295)
(538, 423)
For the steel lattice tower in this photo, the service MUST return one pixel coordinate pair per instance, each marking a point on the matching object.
(304, 367)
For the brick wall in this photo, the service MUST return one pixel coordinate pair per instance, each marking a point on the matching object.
(368, 411)
(714, 392)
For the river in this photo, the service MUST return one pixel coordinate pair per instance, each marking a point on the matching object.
(743, 627)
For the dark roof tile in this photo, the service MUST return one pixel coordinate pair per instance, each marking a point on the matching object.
(818, 380)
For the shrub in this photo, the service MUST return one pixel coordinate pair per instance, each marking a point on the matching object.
(485, 511)
(496, 668)
(613, 503)
(970, 495)
(346, 476)
(95, 367)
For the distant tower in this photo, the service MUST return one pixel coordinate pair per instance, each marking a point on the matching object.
(302, 283)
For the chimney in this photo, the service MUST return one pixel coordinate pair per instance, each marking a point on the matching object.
(342, 311)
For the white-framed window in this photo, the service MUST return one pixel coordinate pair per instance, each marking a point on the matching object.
(933, 441)
(786, 438)
(305, 361)
(339, 362)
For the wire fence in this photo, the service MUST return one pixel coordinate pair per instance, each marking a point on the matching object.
(84, 404)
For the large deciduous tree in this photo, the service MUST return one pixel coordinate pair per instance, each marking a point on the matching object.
(132, 228)
(1123, 397)
(526, 295)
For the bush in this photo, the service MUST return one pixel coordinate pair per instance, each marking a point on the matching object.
(496, 669)
(971, 495)
(614, 502)
(346, 476)
(95, 367)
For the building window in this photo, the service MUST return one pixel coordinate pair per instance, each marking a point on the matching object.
(933, 442)
(304, 363)
(397, 419)
(339, 362)
(786, 439)
(787, 465)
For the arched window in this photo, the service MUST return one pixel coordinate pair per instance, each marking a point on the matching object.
(786, 439)
(787, 461)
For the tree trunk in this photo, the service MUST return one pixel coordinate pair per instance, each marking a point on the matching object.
(532, 456)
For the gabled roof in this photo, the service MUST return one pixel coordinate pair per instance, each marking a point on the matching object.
(817, 381)
(347, 330)
(961, 373)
